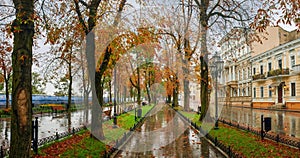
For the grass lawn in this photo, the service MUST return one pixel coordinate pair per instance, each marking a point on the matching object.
(84, 146)
(193, 116)
(250, 145)
(246, 143)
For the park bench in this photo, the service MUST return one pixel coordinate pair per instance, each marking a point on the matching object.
(58, 108)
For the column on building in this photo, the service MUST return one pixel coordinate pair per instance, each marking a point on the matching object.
(229, 74)
(234, 73)
(243, 74)
(284, 64)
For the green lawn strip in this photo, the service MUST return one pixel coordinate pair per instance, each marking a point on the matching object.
(90, 147)
(193, 116)
(249, 145)
(245, 143)
(112, 134)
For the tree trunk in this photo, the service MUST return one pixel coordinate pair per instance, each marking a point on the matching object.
(70, 86)
(169, 98)
(86, 104)
(139, 91)
(6, 93)
(148, 85)
(69, 95)
(85, 89)
(110, 95)
(148, 94)
(21, 125)
(125, 94)
(175, 98)
(204, 71)
(186, 85)
(175, 92)
(96, 128)
(99, 92)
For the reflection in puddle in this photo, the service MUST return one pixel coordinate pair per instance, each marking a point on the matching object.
(287, 123)
(165, 134)
(49, 124)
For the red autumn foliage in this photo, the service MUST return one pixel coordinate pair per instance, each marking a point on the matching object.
(60, 147)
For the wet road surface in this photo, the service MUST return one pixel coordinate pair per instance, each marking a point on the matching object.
(165, 134)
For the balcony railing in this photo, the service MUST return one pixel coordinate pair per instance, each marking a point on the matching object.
(258, 76)
(296, 68)
(278, 72)
(232, 82)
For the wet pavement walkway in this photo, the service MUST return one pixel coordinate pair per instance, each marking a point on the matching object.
(165, 134)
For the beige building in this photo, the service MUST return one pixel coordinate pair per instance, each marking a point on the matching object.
(236, 76)
(276, 79)
(247, 66)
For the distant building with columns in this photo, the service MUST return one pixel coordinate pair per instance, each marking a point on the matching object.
(255, 73)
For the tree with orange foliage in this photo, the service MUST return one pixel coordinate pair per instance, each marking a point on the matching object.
(6, 67)
(88, 23)
(274, 12)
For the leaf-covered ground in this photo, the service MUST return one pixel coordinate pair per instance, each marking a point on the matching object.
(82, 145)
(57, 148)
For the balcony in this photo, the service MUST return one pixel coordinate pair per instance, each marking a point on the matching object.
(258, 77)
(296, 69)
(232, 83)
(278, 72)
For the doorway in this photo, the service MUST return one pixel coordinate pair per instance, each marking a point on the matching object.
(280, 93)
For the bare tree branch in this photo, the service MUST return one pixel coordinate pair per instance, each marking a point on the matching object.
(77, 9)
(8, 16)
(5, 5)
(84, 3)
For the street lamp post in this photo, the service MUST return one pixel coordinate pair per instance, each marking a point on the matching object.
(115, 100)
(216, 67)
(134, 112)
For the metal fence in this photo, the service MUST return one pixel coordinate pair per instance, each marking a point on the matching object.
(107, 153)
(58, 136)
(43, 141)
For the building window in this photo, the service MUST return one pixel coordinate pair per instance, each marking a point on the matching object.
(254, 92)
(292, 61)
(248, 94)
(254, 71)
(270, 66)
(293, 89)
(261, 92)
(270, 91)
(261, 69)
(279, 64)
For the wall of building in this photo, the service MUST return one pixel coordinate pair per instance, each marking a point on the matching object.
(285, 53)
